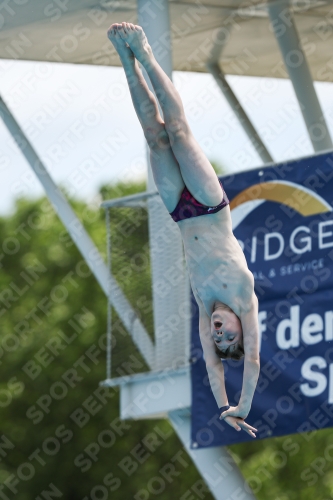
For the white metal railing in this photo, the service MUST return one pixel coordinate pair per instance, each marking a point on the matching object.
(132, 201)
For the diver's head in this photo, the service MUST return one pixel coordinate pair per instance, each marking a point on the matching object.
(227, 332)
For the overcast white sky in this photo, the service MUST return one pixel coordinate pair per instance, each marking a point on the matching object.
(81, 121)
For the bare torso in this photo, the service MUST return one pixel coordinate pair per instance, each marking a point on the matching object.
(216, 264)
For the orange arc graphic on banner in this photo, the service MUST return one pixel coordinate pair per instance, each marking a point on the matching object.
(297, 198)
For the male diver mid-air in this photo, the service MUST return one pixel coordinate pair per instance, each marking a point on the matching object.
(222, 284)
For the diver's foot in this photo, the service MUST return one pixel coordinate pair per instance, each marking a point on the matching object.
(118, 42)
(137, 40)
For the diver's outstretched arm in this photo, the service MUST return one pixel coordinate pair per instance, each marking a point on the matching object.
(215, 372)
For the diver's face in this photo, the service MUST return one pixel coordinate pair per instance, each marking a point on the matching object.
(226, 330)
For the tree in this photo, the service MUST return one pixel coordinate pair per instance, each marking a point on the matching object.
(61, 432)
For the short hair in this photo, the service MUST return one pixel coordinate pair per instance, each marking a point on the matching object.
(237, 354)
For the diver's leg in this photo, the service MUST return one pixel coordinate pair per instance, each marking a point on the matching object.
(197, 172)
(165, 168)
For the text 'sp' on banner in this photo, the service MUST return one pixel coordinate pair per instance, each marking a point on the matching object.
(283, 219)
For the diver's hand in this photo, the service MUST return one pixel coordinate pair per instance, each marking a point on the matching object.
(238, 424)
(234, 411)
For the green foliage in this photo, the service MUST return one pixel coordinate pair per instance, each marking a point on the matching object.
(60, 430)
(298, 466)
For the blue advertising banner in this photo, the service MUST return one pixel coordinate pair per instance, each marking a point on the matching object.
(283, 219)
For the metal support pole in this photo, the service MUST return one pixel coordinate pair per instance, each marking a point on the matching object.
(299, 73)
(235, 105)
(154, 18)
(81, 238)
(170, 296)
(216, 465)
(109, 298)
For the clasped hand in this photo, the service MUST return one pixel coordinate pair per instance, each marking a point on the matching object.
(234, 416)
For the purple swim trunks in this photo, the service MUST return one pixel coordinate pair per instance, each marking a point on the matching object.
(189, 207)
